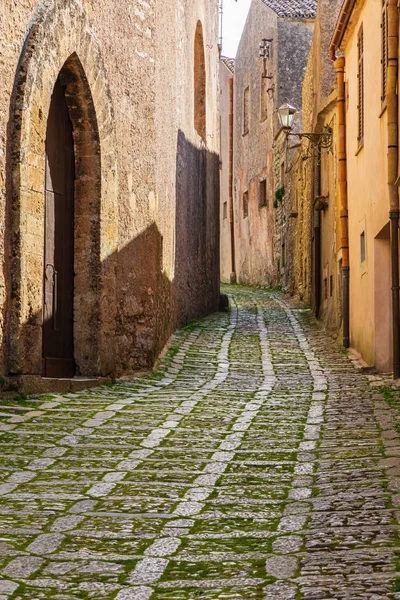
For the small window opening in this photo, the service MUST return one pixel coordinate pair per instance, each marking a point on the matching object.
(245, 205)
(362, 247)
(246, 102)
(264, 98)
(282, 174)
(283, 256)
(225, 210)
(326, 288)
(331, 286)
(263, 199)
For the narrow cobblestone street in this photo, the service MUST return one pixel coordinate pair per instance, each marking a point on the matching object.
(256, 463)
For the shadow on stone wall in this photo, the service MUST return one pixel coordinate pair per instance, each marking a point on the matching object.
(197, 269)
(149, 305)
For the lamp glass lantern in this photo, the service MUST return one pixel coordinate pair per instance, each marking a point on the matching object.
(287, 114)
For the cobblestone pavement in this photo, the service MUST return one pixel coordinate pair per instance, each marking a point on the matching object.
(257, 464)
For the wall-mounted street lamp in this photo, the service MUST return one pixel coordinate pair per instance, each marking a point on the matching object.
(287, 115)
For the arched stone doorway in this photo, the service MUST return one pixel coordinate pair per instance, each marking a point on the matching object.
(60, 50)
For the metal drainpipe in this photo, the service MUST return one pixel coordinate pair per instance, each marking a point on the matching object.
(344, 213)
(393, 156)
(231, 211)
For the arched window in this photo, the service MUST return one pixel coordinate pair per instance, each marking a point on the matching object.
(200, 112)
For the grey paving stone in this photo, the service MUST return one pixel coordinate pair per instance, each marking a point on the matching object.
(101, 489)
(281, 567)
(84, 506)
(46, 543)
(288, 544)
(148, 570)
(55, 452)
(22, 566)
(66, 523)
(135, 593)
(21, 477)
(281, 591)
(40, 463)
(7, 586)
(7, 488)
(292, 523)
(114, 477)
(186, 509)
(164, 547)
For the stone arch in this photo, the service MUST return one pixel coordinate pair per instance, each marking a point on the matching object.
(60, 43)
(200, 89)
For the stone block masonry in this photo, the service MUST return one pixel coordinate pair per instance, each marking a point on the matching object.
(146, 183)
(256, 463)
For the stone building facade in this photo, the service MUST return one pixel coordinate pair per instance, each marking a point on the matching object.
(260, 87)
(316, 231)
(140, 84)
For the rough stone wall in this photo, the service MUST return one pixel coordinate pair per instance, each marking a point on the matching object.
(187, 168)
(317, 177)
(285, 162)
(266, 233)
(304, 177)
(294, 41)
(253, 152)
(155, 235)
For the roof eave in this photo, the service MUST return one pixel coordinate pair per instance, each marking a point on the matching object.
(341, 26)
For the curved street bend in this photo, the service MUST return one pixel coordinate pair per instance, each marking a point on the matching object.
(256, 463)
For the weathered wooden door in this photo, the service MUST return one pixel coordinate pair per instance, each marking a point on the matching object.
(58, 346)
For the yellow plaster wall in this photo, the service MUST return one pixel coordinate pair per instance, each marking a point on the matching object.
(367, 174)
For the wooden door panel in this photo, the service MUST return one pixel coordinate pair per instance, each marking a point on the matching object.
(58, 351)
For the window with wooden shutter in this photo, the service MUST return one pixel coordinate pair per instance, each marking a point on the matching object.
(360, 77)
(245, 205)
(384, 61)
(246, 106)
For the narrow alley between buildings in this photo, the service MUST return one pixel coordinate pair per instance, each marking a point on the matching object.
(257, 462)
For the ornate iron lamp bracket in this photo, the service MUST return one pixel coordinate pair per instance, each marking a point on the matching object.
(323, 140)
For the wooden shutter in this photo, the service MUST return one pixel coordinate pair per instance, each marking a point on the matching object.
(245, 205)
(384, 61)
(360, 86)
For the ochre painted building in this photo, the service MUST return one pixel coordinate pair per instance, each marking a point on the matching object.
(104, 253)
(227, 234)
(361, 35)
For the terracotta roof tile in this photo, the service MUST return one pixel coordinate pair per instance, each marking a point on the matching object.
(229, 62)
(303, 9)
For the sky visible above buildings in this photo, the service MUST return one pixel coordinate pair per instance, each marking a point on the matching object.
(235, 14)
